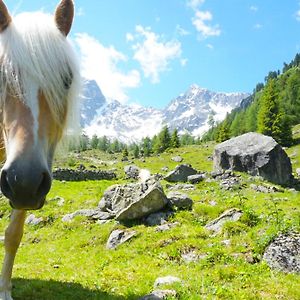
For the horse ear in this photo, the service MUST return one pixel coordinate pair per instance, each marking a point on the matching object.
(5, 17)
(64, 16)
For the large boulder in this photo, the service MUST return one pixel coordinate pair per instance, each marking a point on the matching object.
(134, 201)
(284, 253)
(180, 173)
(256, 154)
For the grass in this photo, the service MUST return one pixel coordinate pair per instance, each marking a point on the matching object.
(61, 261)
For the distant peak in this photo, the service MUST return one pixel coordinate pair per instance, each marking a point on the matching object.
(197, 87)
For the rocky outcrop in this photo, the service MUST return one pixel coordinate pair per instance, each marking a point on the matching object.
(134, 201)
(284, 253)
(132, 172)
(256, 154)
(82, 175)
(180, 173)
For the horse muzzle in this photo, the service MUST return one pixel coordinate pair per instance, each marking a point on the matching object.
(26, 188)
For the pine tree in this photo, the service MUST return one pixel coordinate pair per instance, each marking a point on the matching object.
(94, 142)
(136, 151)
(146, 147)
(175, 142)
(271, 119)
(103, 143)
(125, 152)
(223, 133)
(165, 138)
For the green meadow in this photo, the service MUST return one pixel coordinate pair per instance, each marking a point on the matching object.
(69, 260)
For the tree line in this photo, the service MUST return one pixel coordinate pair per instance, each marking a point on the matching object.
(159, 143)
(272, 109)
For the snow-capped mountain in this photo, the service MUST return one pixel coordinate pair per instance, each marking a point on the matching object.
(126, 123)
(92, 101)
(190, 112)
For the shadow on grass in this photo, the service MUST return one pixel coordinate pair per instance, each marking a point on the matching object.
(34, 289)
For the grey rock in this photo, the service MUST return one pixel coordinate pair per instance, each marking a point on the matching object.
(192, 256)
(158, 218)
(284, 253)
(159, 295)
(265, 189)
(95, 214)
(166, 281)
(59, 200)
(196, 178)
(179, 200)
(166, 227)
(177, 158)
(181, 186)
(134, 201)
(132, 172)
(118, 237)
(298, 172)
(255, 154)
(33, 220)
(216, 225)
(230, 183)
(165, 169)
(82, 175)
(180, 173)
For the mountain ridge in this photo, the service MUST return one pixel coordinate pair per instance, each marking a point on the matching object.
(190, 112)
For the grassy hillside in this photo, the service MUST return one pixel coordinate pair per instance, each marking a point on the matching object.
(59, 261)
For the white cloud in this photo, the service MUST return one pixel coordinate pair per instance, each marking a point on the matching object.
(129, 37)
(253, 8)
(153, 54)
(101, 64)
(298, 15)
(80, 12)
(181, 31)
(183, 62)
(200, 22)
(210, 46)
(257, 26)
(194, 4)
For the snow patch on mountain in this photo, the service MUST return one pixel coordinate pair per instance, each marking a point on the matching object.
(190, 112)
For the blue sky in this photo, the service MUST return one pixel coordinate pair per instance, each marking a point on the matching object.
(150, 51)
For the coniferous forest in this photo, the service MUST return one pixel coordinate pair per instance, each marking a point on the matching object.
(272, 109)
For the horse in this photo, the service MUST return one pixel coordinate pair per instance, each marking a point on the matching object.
(39, 82)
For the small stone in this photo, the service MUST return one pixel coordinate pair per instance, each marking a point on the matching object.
(180, 173)
(132, 172)
(33, 220)
(158, 218)
(166, 227)
(160, 294)
(216, 225)
(193, 179)
(166, 280)
(179, 200)
(177, 158)
(118, 237)
(190, 257)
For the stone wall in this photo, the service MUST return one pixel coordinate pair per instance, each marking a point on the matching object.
(82, 175)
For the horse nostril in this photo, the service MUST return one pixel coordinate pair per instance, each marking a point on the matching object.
(45, 185)
(5, 186)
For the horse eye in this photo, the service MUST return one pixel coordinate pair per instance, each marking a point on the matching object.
(67, 79)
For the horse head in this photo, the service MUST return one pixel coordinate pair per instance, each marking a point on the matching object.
(38, 78)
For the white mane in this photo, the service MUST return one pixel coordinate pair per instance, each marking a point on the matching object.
(32, 48)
